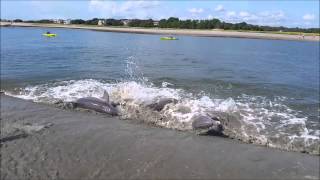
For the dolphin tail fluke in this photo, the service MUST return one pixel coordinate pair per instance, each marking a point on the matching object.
(106, 96)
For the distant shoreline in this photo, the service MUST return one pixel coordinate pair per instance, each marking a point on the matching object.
(191, 32)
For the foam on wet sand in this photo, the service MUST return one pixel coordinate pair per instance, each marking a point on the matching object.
(81, 145)
(253, 119)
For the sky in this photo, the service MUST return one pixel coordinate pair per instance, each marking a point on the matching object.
(292, 13)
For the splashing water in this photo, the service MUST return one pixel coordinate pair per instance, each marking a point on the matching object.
(253, 119)
(133, 70)
(234, 72)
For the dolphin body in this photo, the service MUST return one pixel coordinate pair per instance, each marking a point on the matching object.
(160, 104)
(206, 122)
(100, 105)
(199, 122)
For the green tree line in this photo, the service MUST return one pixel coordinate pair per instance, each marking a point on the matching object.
(176, 23)
(173, 22)
(141, 23)
(94, 21)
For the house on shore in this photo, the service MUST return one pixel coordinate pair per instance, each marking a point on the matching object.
(156, 23)
(101, 22)
(68, 21)
(58, 21)
(125, 21)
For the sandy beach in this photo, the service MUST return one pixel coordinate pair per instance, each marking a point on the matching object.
(43, 142)
(206, 33)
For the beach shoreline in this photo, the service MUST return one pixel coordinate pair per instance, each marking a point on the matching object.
(160, 31)
(50, 143)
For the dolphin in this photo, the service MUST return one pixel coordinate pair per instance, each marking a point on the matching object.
(160, 104)
(100, 105)
(205, 122)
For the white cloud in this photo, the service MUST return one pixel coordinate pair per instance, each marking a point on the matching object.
(210, 16)
(262, 18)
(195, 10)
(247, 17)
(308, 17)
(195, 13)
(273, 15)
(231, 14)
(271, 18)
(124, 9)
(132, 5)
(219, 8)
(244, 14)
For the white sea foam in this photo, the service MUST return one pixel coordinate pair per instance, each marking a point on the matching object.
(260, 117)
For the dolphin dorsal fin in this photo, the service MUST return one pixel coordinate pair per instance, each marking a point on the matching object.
(105, 96)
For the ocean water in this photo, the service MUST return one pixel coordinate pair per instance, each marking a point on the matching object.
(268, 88)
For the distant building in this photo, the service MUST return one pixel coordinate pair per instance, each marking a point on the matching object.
(155, 23)
(101, 22)
(58, 21)
(68, 21)
(125, 21)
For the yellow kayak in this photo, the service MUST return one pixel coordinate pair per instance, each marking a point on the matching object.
(169, 38)
(50, 35)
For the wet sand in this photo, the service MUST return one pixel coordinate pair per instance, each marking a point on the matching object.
(192, 32)
(51, 143)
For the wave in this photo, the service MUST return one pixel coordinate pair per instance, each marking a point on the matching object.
(253, 119)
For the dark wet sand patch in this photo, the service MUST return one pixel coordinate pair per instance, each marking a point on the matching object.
(81, 145)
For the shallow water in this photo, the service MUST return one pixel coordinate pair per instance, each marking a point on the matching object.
(270, 86)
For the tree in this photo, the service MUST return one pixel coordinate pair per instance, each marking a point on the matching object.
(93, 21)
(174, 22)
(163, 23)
(141, 23)
(77, 21)
(17, 20)
(242, 25)
(44, 21)
(113, 22)
(215, 23)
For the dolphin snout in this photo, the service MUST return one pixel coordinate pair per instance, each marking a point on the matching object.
(109, 109)
(206, 122)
